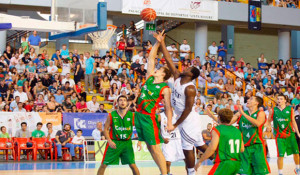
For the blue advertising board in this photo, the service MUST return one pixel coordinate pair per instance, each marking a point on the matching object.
(87, 122)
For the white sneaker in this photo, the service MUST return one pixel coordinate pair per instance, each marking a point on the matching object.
(91, 92)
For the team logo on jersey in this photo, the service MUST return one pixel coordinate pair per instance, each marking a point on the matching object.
(157, 86)
(255, 115)
(247, 126)
(287, 112)
(282, 120)
(128, 119)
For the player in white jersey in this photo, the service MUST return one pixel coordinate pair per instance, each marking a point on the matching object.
(182, 100)
(171, 148)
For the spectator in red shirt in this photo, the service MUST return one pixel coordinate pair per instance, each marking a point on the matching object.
(121, 44)
(81, 106)
(29, 106)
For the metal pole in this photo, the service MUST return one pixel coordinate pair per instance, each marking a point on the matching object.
(53, 10)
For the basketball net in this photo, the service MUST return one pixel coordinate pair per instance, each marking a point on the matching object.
(101, 38)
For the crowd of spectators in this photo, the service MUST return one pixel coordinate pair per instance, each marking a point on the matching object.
(61, 81)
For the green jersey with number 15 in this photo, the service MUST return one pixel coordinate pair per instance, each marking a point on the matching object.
(121, 128)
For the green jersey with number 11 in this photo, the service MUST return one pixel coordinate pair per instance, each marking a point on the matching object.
(230, 143)
(121, 128)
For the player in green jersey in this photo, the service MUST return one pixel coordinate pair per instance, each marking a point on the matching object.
(118, 130)
(285, 127)
(228, 144)
(251, 122)
(146, 121)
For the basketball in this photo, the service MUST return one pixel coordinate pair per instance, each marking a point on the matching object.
(148, 14)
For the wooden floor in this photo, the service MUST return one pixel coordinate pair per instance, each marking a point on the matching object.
(80, 168)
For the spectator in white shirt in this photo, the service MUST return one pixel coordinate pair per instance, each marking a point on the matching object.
(50, 133)
(185, 49)
(172, 49)
(23, 96)
(289, 94)
(19, 108)
(70, 80)
(138, 56)
(213, 50)
(238, 96)
(116, 80)
(14, 60)
(98, 133)
(239, 73)
(52, 68)
(93, 105)
(262, 59)
(114, 64)
(78, 140)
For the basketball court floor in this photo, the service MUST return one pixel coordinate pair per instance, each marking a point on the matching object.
(81, 168)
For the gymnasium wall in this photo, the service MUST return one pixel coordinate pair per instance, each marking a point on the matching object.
(248, 44)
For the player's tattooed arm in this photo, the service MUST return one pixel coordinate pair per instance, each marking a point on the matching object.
(210, 150)
(190, 93)
(151, 60)
(106, 132)
(161, 37)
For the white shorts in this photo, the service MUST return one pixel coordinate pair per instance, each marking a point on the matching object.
(173, 150)
(191, 132)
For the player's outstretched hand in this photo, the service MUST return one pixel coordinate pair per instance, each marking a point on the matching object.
(240, 108)
(197, 166)
(139, 145)
(170, 127)
(112, 144)
(160, 36)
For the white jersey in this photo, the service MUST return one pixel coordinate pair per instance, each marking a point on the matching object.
(178, 96)
(164, 133)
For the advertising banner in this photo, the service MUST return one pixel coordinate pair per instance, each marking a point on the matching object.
(12, 121)
(190, 9)
(87, 122)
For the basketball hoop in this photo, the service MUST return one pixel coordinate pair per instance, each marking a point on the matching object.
(101, 38)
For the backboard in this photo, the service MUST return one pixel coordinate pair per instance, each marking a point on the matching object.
(88, 16)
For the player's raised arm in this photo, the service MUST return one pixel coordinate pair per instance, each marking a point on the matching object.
(167, 56)
(261, 118)
(190, 93)
(211, 115)
(168, 107)
(151, 60)
(106, 132)
(210, 150)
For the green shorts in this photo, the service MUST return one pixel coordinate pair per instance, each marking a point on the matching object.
(254, 160)
(148, 128)
(228, 167)
(124, 151)
(287, 145)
